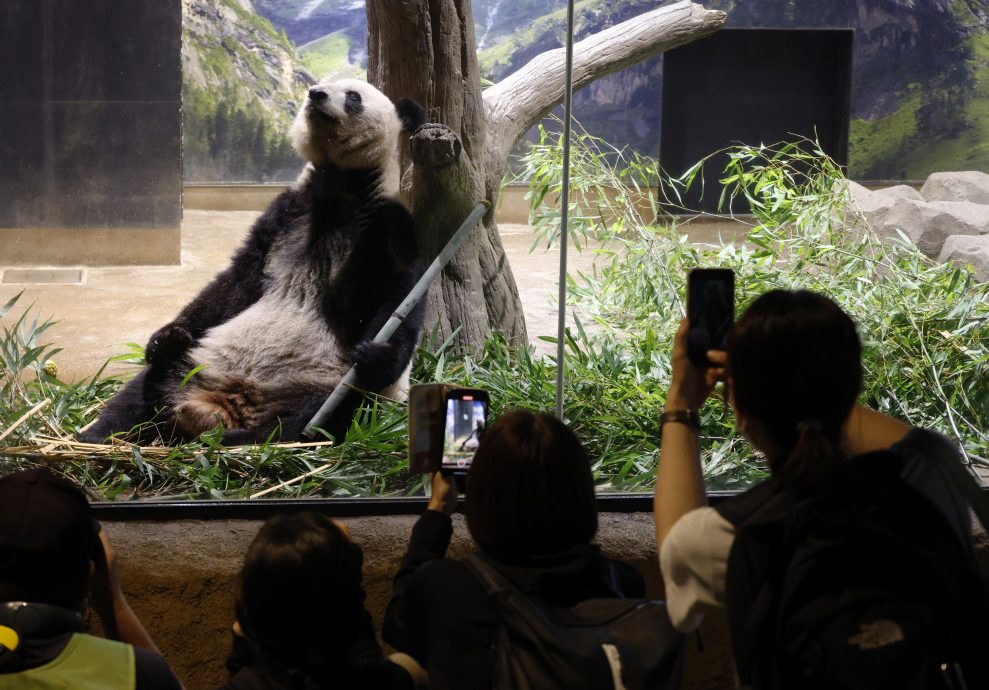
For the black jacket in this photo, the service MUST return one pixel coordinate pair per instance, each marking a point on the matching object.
(440, 615)
(365, 670)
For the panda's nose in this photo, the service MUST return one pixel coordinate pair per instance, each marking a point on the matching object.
(317, 95)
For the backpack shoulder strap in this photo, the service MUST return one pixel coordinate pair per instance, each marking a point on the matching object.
(492, 580)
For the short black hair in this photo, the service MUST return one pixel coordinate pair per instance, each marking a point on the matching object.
(299, 595)
(530, 489)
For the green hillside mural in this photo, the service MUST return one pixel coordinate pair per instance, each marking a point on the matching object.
(920, 98)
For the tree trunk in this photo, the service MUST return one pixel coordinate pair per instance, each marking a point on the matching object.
(425, 50)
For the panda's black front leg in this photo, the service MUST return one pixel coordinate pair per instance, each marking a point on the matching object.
(380, 364)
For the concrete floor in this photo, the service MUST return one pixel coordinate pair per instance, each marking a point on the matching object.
(111, 306)
(108, 307)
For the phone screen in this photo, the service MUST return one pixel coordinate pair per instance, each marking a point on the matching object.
(711, 311)
(466, 418)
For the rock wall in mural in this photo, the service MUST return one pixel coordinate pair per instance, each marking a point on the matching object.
(920, 94)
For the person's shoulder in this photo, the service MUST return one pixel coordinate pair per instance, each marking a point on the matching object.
(698, 535)
(920, 441)
(626, 580)
(382, 674)
(701, 522)
(441, 570)
(251, 678)
(152, 672)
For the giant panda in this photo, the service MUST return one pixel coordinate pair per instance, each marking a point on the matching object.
(320, 273)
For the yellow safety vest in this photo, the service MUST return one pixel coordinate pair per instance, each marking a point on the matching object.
(86, 663)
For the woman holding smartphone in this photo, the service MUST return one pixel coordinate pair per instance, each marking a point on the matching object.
(531, 510)
(793, 372)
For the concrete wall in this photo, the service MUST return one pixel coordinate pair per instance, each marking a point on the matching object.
(512, 205)
(91, 127)
(179, 578)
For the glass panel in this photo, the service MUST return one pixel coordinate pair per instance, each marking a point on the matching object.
(96, 157)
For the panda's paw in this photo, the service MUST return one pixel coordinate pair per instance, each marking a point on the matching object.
(167, 343)
(90, 435)
(374, 362)
(239, 437)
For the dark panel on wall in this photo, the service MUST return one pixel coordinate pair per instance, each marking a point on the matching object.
(753, 86)
(91, 119)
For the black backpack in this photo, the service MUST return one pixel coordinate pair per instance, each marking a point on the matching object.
(598, 644)
(867, 588)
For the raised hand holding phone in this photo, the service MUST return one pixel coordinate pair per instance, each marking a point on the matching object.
(445, 427)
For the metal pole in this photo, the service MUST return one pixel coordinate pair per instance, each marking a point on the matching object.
(350, 380)
(565, 214)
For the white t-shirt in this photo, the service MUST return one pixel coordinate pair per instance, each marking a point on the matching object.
(693, 560)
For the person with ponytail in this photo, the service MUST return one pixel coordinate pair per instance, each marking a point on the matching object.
(300, 617)
(792, 373)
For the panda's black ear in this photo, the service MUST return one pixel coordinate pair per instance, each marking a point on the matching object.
(412, 115)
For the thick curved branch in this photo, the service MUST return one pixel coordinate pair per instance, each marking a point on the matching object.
(517, 102)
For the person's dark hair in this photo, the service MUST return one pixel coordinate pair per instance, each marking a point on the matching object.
(531, 492)
(299, 597)
(796, 367)
(47, 539)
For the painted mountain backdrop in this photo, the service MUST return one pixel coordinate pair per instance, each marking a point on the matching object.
(920, 94)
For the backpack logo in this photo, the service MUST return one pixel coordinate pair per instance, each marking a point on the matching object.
(614, 658)
(877, 634)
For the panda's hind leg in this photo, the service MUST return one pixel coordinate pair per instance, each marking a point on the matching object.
(292, 421)
(132, 413)
(229, 402)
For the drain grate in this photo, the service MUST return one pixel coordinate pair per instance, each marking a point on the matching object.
(42, 276)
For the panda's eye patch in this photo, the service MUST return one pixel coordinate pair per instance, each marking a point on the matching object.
(352, 105)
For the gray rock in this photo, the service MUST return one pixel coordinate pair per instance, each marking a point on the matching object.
(968, 249)
(900, 191)
(970, 185)
(873, 206)
(929, 224)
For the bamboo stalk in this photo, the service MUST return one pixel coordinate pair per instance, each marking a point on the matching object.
(55, 449)
(26, 416)
(310, 473)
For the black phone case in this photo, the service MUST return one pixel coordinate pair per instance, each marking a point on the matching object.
(711, 312)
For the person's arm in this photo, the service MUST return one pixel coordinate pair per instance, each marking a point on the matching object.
(679, 479)
(121, 623)
(405, 619)
(866, 431)
(108, 601)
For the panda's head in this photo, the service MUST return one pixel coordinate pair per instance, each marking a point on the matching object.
(350, 124)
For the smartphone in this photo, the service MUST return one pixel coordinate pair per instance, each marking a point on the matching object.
(710, 310)
(445, 424)
(466, 416)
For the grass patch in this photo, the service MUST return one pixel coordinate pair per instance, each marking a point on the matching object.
(892, 148)
(877, 147)
(327, 57)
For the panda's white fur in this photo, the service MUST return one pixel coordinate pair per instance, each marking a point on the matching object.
(328, 131)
